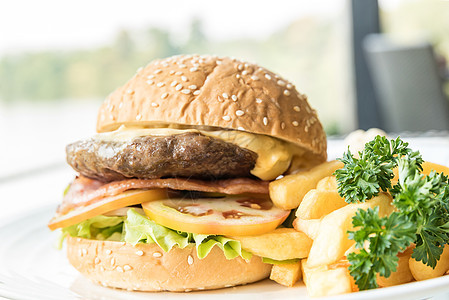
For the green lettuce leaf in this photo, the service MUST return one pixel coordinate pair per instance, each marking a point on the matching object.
(279, 262)
(99, 227)
(140, 229)
(231, 248)
(136, 228)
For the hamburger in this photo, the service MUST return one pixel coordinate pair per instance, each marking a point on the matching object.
(179, 169)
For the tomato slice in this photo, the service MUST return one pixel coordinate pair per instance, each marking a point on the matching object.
(105, 205)
(231, 215)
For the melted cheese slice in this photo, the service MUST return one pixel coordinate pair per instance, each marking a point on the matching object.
(274, 156)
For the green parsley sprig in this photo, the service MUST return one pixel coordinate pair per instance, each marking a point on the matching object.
(421, 216)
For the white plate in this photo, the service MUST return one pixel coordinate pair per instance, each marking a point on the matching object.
(32, 268)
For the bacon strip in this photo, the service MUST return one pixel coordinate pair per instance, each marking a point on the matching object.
(84, 191)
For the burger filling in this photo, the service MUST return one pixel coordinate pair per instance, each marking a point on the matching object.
(175, 187)
(270, 157)
(189, 155)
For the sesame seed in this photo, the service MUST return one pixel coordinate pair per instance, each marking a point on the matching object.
(138, 117)
(239, 113)
(289, 85)
(164, 95)
(157, 254)
(240, 128)
(295, 123)
(200, 288)
(225, 95)
(258, 100)
(97, 260)
(172, 72)
(84, 251)
(179, 73)
(101, 268)
(119, 269)
(194, 69)
(245, 72)
(160, 84)
(254, 77)
(237, 76)
(157, 71)
(164, 64)
(184, 78)
(281, 82)
(227, 118)
(219, 62)
(265, 121)
(150, 76)
(286, 92)
(173, 83)
(192, 87)
(190, 259)
(240, 67)
(306, 129)
(129, 91)
(127, 267)
(234, 98)
(185, 91)
(120, 105)
(140, 252)
(197, 92)
(154, 104)
(282, 125)
(112, 261)
(182, 66)
(296, 108)
(178, 87)
(108, 251)
(228, 285)
(139, 69)
(150, 82)
(80, 253)
(187, 290)
(267, 76)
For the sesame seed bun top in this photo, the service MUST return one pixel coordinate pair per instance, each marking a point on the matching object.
(224, 92)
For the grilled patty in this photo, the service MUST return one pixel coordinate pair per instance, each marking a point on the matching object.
(190, 155)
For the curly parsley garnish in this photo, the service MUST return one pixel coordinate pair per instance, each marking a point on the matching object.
(421, 216)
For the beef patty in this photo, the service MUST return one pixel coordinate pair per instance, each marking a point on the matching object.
(190, 155)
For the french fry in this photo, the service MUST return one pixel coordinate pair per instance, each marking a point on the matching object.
(420, 271)
(286, 274)
(280, 244)
(332, 240)
(402, 274)
(328, 183)
(321, 201)
(309, 227)
(326, 281)
(287, 192)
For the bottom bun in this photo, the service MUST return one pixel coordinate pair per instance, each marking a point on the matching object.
(146, 267)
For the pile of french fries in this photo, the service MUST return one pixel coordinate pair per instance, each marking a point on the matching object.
(320, 239)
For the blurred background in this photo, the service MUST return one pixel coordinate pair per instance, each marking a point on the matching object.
(363, 63)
